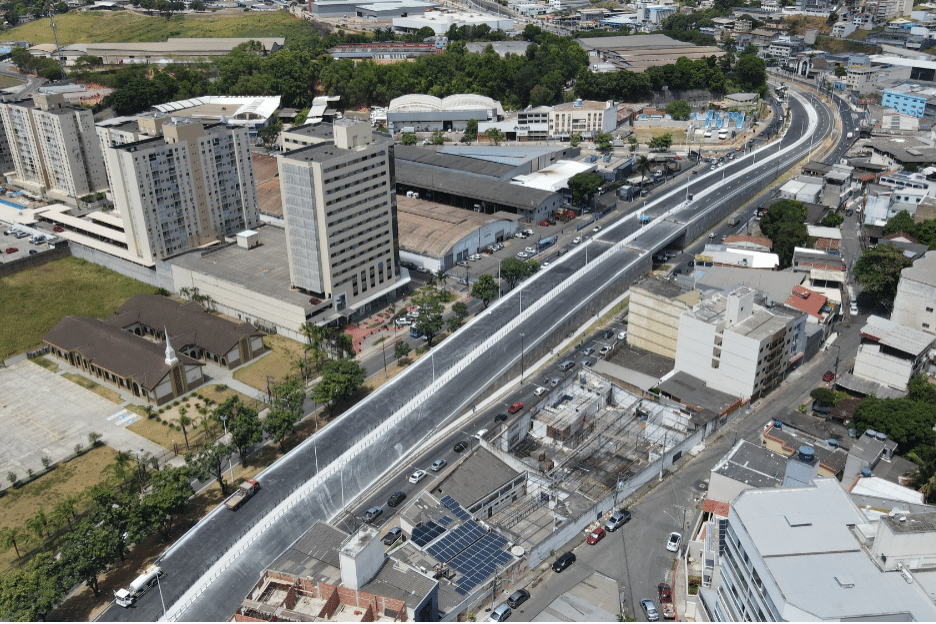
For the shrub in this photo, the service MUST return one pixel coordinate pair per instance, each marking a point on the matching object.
(46, 461)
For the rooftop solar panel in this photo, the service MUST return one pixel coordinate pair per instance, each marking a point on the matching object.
(445, 521)
(427, 532)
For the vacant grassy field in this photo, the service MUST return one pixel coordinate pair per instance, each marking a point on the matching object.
(103, 26)
(835, 46)
(106, 393)
(9, 81)
(66, 480)
(278, 363)
(34, 301)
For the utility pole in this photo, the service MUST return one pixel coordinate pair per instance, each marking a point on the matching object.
(61, 57)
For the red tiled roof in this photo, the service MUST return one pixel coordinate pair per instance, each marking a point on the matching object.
(901, 235)
(807, 301)
(866, 177)
(757, 240)
(718, 508)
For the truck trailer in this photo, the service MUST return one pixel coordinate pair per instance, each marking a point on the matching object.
(127, 596)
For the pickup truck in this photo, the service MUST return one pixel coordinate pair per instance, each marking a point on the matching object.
(247, 489)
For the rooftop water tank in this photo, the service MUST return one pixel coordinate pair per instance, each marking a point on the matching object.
(866, 472)
(778, 424)
(881, 436)
(806, 454)
(833, 442)
(871, 433)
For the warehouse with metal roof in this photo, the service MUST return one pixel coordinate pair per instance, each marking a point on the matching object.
(426, 113)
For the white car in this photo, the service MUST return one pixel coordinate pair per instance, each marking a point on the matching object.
(481, 433)
(540, 391)
(474, 257)
(853, 310)
(577, 240)
(672, 544)
(530, 250)
(604, 350)
(522, 255)
(417, 476)
(622, 335)
(597, 228)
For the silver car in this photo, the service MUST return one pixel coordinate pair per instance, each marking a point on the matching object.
(650, 610)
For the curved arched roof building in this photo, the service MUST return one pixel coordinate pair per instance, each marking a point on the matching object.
(426, 113)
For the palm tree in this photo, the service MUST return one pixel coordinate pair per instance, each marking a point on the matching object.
(12, 537)
(64, 512)
(441, 277)
(37, 523)
(121, 466)
(149, 410)
(643, 166)
(184, 421)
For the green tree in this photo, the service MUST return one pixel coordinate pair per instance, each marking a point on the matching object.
(21, 58)
(401, 350)
(900, 222)
(184, 422)
(211, 461)
(678, 109)
(441, 277)
(484, 289)
(13, 537)
(301, 117)
(833, 219)
(584, 186)
(243, 423)
(168, 499)
(408, 139)
(86, 61)
(471, 131)
(65, 512)
(575, 139)
(122, 513)
(783, 211)
(269, 132)
(197, 5)
(643, 166)
(920, 389)
(823, 396)
(909, 423)
(840, 71)
(340, 379)
(460, 310)
(37, 523)
(438, 138)
(513, 270)
(878, 272)
(87, 553)
(603, 143)
(661, 142)
(494, 135)
(29, 594)
(286, 400)
(429, 318)
(786, 238)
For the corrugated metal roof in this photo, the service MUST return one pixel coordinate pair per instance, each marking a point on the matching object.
(889, 333)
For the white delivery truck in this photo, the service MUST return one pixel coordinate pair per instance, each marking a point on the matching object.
(126, 597)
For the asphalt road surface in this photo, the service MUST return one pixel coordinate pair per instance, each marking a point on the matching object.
(187, 561)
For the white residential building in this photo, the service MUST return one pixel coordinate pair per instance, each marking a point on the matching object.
(809, 553)
(189, 187)
(583, 117)
(53, 147)
(916, 295)
(121, 130)
(340, 212)
(892, 354)
(738, 346)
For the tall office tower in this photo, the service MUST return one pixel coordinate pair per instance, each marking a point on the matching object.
(53, 147)
(340, 212)
(191, 186)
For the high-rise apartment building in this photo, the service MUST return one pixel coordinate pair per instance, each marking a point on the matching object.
(191, 186)
(53, 147)
(340, 213)
(738, 346)
(121, 130)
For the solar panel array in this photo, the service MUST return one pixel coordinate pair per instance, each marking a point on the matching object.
(456, 541)
(445, 521)
(427, 532)
(455, 508)
(479, 561)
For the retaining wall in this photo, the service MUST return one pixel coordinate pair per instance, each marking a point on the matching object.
(158, 276)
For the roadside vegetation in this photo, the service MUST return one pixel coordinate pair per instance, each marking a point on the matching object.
(34, 301)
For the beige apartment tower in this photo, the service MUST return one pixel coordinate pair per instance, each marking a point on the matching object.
(340, 212)
(189, 187)
(53, 147)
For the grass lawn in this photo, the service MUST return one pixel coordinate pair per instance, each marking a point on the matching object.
(68, 479)
(46, 363)
(93, 386)
(10, 81)
(104, 26)
(34, 301)
(836, 46)
(277, 363)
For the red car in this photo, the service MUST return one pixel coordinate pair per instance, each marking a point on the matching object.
(595, 536)
(11, 250)
(516, 407)
(543, 223)
(58, 228)
(666, 594)
(829, 375)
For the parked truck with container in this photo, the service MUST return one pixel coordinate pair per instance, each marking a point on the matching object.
(127, 596)
(734, 219)
(247, 489)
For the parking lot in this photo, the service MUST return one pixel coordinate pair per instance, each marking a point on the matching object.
(21, 242)
(46, 415)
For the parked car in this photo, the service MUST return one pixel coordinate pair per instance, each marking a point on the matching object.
(500, 418)
(622, 335)
(417, 476)
(11, 250)
(393, 535)
(618, 519)
(33, 252)
(587, 362)
(372, 514)
(518, 598)
(563, 562)
(516, 407)
(665, 592)
(530, 250)
(604, 350)
(672, 544)
(554, 382)
(595, 536)
(523, 255)
(576, 240)
(849, 212)
(396, 498)
(500, 614)
(481, 433)
(650, 610)
(438, 465)
(543, 223)
(588, 351)
(828, 376)
(540, 391)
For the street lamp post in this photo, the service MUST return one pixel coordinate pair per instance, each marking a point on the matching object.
(521, 356)
(161, 595)
(230, 463)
